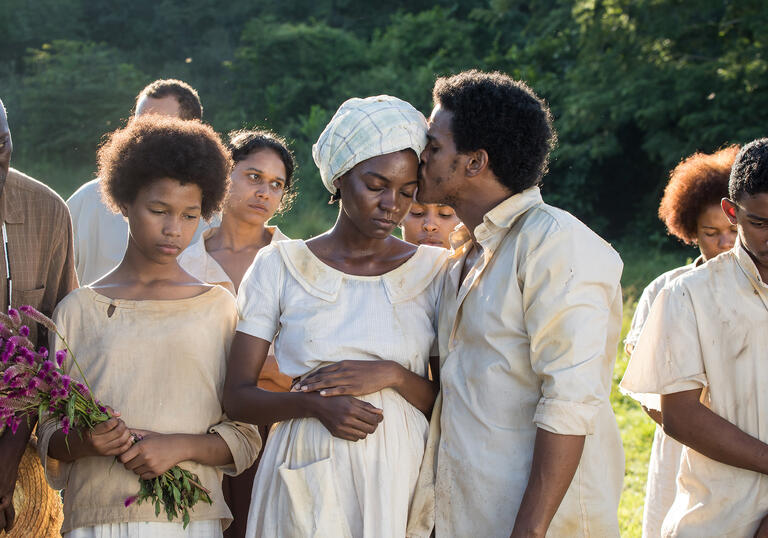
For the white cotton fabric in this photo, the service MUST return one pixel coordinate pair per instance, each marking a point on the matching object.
(147, 529)
(101, 236)
(366, 128)
(196, 261)
(310, 483)
(665, 452)
(705, 331)
(528, 340)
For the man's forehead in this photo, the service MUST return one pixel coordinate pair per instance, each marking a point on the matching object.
(756, 205)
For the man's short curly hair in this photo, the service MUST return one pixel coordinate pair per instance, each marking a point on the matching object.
(749, 174)
(491, 111)
(190, 106)
(698, 182)
(155, 147)
(244, 142)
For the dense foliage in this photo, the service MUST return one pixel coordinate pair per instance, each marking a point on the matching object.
(635, 85)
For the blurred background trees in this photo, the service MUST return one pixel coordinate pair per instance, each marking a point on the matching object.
(635, 85)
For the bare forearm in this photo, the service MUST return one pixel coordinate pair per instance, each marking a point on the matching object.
(654, 414)
(555, 460)
(696, 426)
(205, 449)
(11, 449)
(419, 392)
(68, 448)
(248, 403)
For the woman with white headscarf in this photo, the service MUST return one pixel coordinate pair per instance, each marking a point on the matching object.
(352, 315)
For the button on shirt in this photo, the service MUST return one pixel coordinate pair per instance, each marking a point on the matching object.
(706, 330)
(528, 340)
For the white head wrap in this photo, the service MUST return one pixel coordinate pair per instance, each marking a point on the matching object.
(366, 128)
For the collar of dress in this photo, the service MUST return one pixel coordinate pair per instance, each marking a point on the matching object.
(323, 281)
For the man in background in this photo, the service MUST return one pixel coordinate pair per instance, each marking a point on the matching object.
(37, 268)
(101, 236)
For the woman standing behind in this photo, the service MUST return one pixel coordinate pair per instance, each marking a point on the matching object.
(691, 211)
(354, 314)
(152, 341)
(262, 185)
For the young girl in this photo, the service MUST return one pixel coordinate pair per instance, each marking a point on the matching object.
(262, 185)
(429, 224)
(152, 342)
(354, 314)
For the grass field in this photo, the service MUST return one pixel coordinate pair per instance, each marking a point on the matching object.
(635, 426)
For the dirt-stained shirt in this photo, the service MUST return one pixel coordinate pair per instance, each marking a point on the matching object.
(706, 330)
(527, 340)
(162, 364)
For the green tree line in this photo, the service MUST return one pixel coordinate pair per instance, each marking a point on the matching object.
(634, 85)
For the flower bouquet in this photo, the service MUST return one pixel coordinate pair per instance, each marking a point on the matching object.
(33, 383)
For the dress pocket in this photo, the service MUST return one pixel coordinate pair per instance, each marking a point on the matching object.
(313, 501)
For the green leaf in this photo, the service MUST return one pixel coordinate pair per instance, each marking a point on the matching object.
(157, 507)
(176, 495)
(185, 519)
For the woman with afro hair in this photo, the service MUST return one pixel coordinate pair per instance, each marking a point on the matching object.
(690, 209)
(152, 340)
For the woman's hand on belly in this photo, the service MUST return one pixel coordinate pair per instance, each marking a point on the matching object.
(352, 378)
(346, 417)
(359, 378)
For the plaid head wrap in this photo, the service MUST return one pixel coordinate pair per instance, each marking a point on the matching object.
(366, 128)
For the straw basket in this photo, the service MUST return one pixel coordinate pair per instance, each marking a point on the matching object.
(38, 507)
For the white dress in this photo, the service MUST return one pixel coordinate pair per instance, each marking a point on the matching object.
(310, 483)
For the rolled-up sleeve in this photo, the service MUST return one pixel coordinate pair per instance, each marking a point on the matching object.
(668, 357)
(572, 313)
(244, 443)
(258, 299)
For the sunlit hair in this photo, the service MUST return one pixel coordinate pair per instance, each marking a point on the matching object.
(190, 106)
(154, 147)
(503, 116)
(698, 182)
(749, 174)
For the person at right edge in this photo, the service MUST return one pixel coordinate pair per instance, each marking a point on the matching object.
(702, 350)
(523, 440)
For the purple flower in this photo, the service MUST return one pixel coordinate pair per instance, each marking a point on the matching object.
(60, 356)
(130, 500)
(8, 375)
(47, 367)
(15, 317)
(65, 381)
(65, 425)
(43, 352)
(24, 331)
(82, 389)
(42, 319)
(102, 408)
(33, 383)
(15, 422)
(28, 356)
